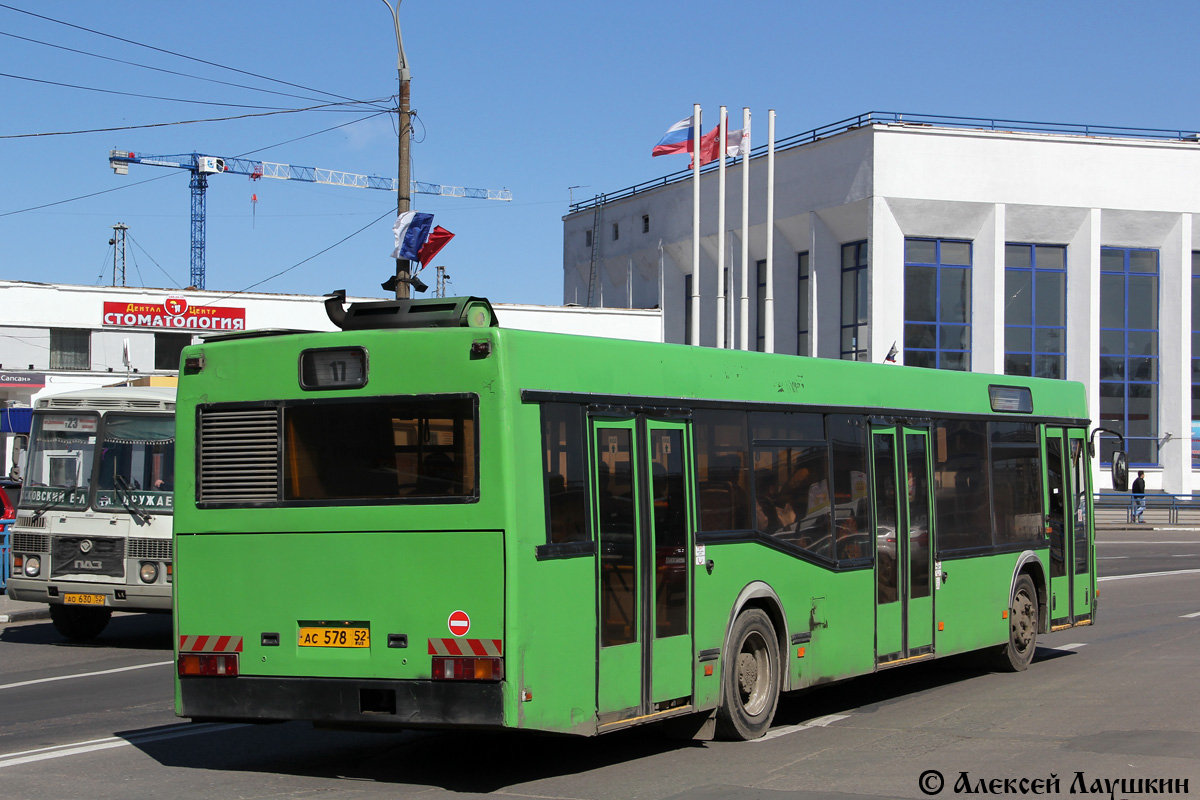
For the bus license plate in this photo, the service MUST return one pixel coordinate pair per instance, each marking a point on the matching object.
(335, 637)
(83, 599)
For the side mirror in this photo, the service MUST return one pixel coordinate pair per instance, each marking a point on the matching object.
(1120, 471)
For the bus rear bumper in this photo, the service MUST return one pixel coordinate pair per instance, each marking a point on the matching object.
(345, 701)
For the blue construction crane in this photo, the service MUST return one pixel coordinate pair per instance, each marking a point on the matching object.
(201, 166)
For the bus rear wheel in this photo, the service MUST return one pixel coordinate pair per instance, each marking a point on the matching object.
(750, 678)
(79, 623)
(1017, 655)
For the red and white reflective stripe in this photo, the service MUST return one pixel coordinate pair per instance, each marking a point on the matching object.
(210, 644)
(466, 647)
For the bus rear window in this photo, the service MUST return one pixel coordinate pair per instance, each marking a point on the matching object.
(391, 449)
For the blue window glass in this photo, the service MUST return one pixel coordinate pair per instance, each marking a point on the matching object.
(802, 323)
(854, 302)
(1129, 352)
(937, 303)
(1035, 310)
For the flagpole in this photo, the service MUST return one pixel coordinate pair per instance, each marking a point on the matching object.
(769, 302)
(745, 326)
(695, 332)
(721, 233)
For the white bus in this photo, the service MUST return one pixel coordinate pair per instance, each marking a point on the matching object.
(93, 529)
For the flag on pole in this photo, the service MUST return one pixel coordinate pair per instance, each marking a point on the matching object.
(411, 229)
(438, 238)
(677, 139)
(737, 143)
(710, 146)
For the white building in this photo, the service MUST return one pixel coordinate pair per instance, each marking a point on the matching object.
(969, 244)
(56, 338)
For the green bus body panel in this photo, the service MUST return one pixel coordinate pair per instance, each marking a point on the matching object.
(397, 583)
(405, 567)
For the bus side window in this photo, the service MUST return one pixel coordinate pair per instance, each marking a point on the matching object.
(563, 449)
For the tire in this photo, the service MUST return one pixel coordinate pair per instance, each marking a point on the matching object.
(750, 678)
(79, 623)
(1017, 654)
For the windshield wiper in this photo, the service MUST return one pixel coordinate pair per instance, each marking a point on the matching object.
(125, 495)
(44, 507)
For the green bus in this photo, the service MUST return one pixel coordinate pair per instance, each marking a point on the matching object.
(424, 520)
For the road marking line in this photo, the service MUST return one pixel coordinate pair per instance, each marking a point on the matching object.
(1184, 555)
(1148, 575)
(1072, 646)
(85, 674)
(1110, 558)
(1107, 541)
(93, 745)
(1193, 615)
(819, 722)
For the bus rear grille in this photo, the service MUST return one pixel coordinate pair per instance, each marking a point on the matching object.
(239, 456)
(157, 549)
(30, 543)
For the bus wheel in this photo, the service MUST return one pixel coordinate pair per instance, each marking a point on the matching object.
(1022, 626)
(750, 678)
(79, 623)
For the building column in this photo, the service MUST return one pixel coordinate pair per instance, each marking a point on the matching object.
(988, 295)
(1174, 375)
(1083, 322)
(825, 274)
(885, 282)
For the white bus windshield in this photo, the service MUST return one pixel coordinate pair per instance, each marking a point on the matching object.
(137, 462)
(62, 448)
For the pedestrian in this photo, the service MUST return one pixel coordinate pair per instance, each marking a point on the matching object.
(1139, 496)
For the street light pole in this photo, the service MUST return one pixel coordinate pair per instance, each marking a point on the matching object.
(403, 180)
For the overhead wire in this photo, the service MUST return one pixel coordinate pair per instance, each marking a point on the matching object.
(135, 94)
(158, 69)
(147, 252)
(83, 196)
(323, 107)
(171, 52)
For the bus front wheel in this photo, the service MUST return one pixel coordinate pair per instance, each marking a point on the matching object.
(76, 622)
(750, 678)
(1017, 655)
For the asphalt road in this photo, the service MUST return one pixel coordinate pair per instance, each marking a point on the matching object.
(1110, 702)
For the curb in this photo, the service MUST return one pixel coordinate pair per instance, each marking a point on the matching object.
(32, 615)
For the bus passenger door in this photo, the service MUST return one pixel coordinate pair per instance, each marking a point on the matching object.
(669, 464)
(614, 482)
(903, 555)
(1068, 526)
(640, 483)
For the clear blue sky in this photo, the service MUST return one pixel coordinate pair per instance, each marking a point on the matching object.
(532, 96)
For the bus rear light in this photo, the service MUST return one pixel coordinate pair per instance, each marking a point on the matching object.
(468, 669)
(208, 665)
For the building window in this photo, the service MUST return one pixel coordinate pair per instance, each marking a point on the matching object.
(1195, 359)
(167, 347)
(645, 223)
(1035, 310)
(802, 304)
(854, 301)
(587, 238)
(937, 304)
(616, 231)
(760, 324)
(1129, 351)
(70, 348)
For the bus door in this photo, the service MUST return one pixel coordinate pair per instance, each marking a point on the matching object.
(1068, 525)
(641, 480)
(903, 552)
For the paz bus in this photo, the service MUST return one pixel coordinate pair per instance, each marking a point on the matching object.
(425, 520)
(93, 528)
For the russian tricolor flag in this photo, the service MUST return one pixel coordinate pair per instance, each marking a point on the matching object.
(677, 139)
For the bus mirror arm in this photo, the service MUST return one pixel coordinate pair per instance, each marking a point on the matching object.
(1120, 462)
(1092, 440)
